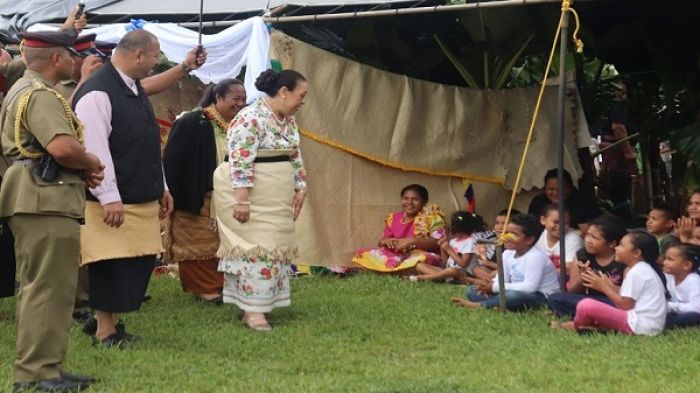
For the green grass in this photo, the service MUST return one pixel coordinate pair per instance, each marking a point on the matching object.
(368, 334)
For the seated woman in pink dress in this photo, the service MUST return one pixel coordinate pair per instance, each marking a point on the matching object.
(410, 235)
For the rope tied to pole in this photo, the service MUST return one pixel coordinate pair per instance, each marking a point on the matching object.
(566, 7)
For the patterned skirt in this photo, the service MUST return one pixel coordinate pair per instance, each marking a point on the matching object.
(385, 260)
(256, 256)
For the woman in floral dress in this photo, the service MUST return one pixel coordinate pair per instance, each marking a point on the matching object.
(410, 235)
(258, 195)
(196, 147)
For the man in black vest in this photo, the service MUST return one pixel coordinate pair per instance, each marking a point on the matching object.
(121, 235)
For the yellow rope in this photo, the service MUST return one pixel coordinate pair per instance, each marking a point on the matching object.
(75, 126)
(403, 167)
(565, 7)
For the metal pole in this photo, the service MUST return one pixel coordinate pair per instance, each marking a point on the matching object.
(410, 11)
(501, 279)
(201, 15)
(560, 148)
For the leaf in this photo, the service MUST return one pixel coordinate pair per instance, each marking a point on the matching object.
(687, 141)
(471, 82)
(505, 71)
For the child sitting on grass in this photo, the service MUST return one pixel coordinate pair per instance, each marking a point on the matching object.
(528, 274)
(457, 254)
(640, 303)
(660, 223)
(598, 256)
(549, 240)
(486, 253)
(683, 283)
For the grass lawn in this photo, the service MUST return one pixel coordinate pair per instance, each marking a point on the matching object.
(367, 334)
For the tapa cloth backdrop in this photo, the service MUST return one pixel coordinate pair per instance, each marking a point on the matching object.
(367, 133)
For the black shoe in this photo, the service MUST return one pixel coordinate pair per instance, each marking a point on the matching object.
(116, 340)
(146, 298)
(90, 327)
(49, 385)
(82, 316)
(78, 378)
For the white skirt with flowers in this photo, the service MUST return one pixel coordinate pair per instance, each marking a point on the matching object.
(256, 255)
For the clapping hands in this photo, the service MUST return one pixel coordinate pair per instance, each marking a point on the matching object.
(595, 280)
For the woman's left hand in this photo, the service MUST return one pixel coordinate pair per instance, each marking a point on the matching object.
(298, 202)
(404, 245)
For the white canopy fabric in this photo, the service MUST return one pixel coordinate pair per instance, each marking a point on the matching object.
(244, 44)
(137, 7)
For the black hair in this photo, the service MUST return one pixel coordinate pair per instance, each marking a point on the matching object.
(690, 252)
(505, 212)
(465, 222)
(613, 229)
(553, 174)
(220, 89)
(668, 211)
(649, 247)
(270, 81)
(420, 190)
(553, 207)
(529, 223)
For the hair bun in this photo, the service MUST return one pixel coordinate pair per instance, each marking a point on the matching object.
(267, 81)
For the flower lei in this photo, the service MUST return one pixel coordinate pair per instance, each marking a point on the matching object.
(215, 118)
(428, 220)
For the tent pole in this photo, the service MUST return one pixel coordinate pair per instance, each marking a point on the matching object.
(560, 147)
(501, 278)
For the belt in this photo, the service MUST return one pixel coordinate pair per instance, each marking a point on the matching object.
(272, 159)
(27, 163)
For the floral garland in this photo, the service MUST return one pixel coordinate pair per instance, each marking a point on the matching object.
(215, 118)
(430, 222)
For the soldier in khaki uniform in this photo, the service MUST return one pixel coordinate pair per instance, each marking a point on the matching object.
(44, 206)
(82, 55)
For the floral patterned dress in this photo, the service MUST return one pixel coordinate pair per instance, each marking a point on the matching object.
(256, 263)
(429, 223)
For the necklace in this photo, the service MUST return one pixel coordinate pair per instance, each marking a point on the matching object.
(215, 118)
(282, 123)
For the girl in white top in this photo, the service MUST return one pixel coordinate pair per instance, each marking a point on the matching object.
(639, 305)
(457, 253)
(549, 239)
(683, 283)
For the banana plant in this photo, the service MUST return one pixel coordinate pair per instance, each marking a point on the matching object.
(502, 67)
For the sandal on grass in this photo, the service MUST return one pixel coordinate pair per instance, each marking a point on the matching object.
(257, 323)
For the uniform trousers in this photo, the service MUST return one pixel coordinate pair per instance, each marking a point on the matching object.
(48, 253)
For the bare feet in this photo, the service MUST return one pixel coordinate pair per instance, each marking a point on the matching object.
(209, 296)
(460, 302)
(562, 325)
(257, 322)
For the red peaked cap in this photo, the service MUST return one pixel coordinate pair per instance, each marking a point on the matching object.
(84, 43)
(47, 39)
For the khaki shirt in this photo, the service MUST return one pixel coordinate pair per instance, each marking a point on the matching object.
(66, 88)
(10, 72)
(22, 192)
